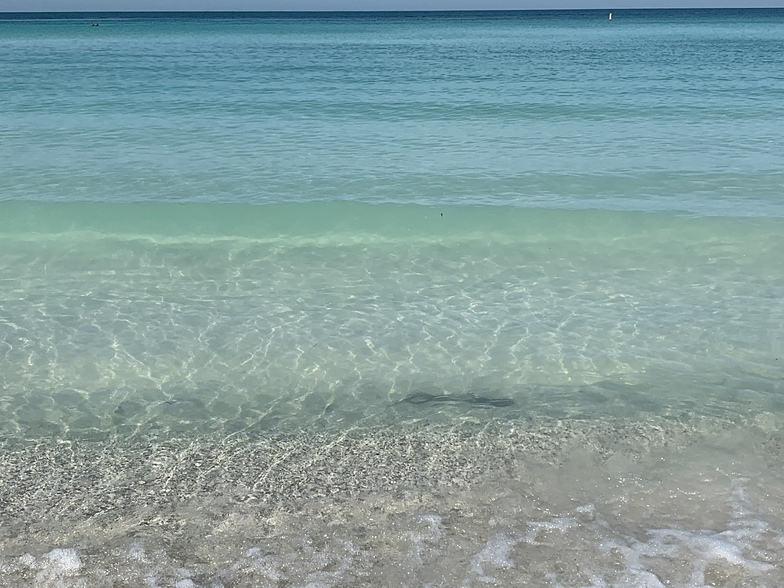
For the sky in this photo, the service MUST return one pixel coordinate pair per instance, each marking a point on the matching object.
(263, 5)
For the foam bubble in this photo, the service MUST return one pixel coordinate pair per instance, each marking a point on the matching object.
(735, 551)
(495, 554)
(425, 534)
(55, 569)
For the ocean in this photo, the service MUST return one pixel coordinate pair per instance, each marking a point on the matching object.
(392, 299)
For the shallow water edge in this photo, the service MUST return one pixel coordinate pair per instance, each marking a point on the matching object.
(550, 501)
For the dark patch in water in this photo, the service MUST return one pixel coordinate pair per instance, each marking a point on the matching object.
(473, 399)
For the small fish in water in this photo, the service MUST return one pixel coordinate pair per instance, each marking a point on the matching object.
(424, 397)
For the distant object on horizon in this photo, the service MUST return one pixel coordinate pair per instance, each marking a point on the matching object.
(610, 16)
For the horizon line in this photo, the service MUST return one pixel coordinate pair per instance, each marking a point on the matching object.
(626, 9)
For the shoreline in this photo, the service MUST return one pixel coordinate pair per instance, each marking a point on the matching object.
(378, 502)
(104, 481)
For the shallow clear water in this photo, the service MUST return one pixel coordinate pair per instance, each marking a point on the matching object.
(446, 299)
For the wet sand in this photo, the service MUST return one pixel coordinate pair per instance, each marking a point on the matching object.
(418, 501)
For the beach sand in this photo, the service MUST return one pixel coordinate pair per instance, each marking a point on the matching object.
(480, 502)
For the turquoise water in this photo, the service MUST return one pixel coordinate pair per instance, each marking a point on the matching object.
(663, 111)
(395, 280)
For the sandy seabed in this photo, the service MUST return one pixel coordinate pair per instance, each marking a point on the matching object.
(613, 502)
